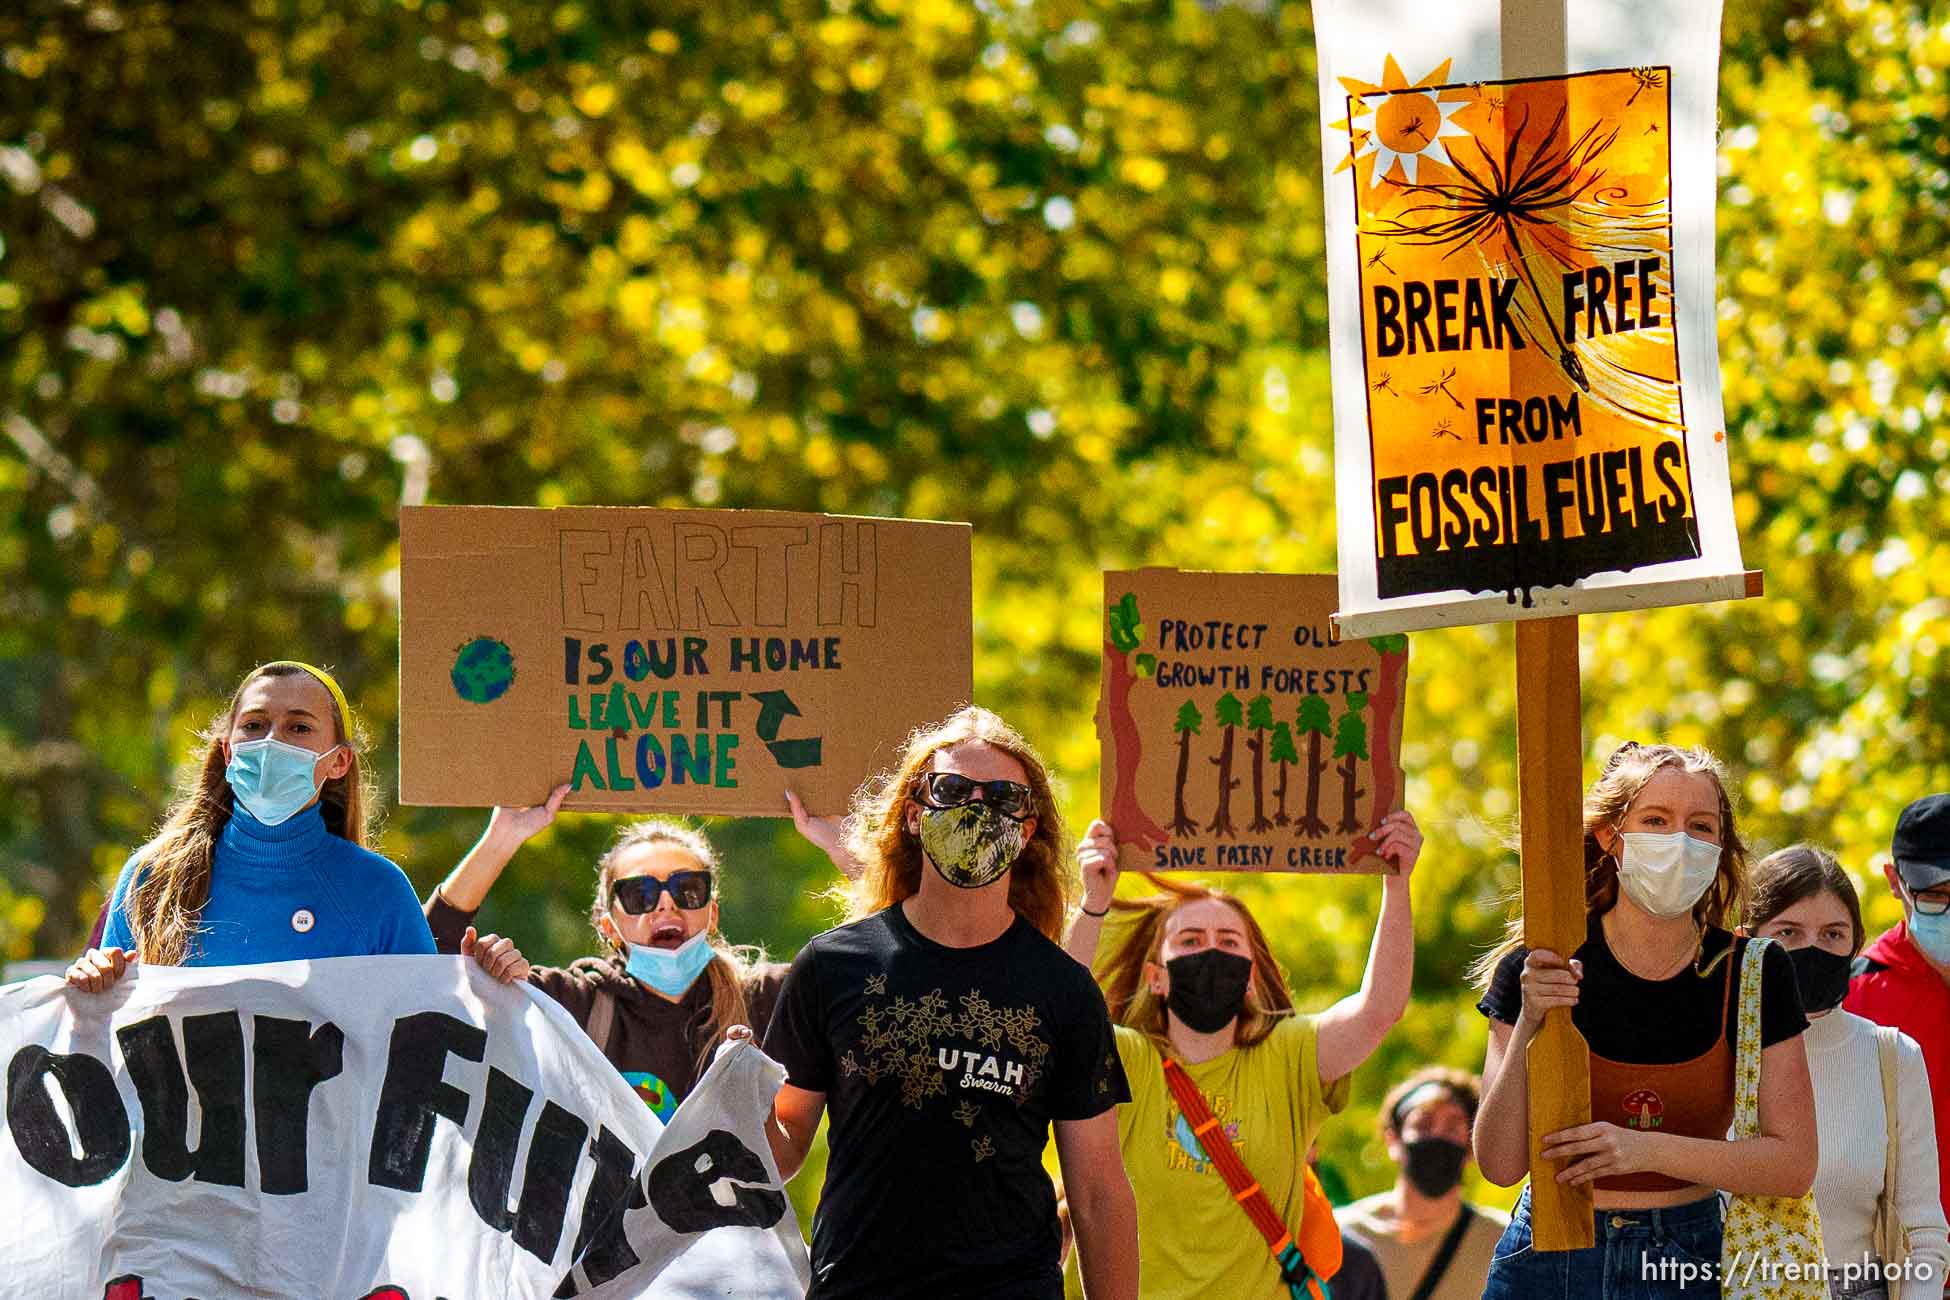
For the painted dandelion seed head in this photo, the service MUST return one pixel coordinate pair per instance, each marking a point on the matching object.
(1528, 186)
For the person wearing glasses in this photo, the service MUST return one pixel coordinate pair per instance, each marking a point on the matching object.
(667, 988)
(1904, 978)
(943, 1032)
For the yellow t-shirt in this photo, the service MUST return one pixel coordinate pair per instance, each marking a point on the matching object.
(1193, 1241)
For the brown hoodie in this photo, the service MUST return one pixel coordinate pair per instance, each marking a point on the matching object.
(653, 1041)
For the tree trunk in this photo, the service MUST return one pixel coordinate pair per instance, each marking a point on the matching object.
(1351, 792)
(1280, 817)
(1181, 822)
(1257, 744)
(1127, 817)
(1382, 740)
(1310, 825)
(1221, 823)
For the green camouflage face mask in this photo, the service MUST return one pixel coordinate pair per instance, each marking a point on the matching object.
(971, 845)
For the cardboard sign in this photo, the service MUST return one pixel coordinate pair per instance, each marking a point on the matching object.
(1526, 381)
(685, 661)
(1238, 734)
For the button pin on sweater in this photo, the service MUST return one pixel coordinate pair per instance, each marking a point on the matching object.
(302, 920)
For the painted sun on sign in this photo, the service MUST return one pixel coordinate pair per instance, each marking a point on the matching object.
(1403, 124)
(1524, 404)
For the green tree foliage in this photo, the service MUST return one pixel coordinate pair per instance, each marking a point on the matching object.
(1259, 713)
(269, 270)
(1283, 751)
(1126, 632)
(1229, 712)
(1351, 729)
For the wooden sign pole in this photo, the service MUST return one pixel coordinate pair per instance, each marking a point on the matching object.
(1550, 797)
(1550, 789)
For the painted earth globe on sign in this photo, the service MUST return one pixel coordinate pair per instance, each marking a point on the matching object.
(483, 670)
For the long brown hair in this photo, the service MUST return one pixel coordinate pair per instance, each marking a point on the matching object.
(731, 968)
(1041, 883)
(1629, 770)
(173, 869)
(1128, 994)
(1786, 876)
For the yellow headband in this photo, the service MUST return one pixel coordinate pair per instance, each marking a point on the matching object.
(330, 684)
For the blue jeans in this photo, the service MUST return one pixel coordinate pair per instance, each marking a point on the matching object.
(1640, 1255)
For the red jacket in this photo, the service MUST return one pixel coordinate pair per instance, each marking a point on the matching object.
(1902, 989)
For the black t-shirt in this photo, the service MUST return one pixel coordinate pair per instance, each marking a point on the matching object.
(1659, 1022)
(942, 1069)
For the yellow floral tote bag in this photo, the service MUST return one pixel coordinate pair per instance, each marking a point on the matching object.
(1772, 1248)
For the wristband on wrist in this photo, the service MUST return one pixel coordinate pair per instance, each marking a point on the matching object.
(1087, 912)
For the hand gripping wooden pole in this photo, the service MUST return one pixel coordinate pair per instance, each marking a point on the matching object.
(1550, 787)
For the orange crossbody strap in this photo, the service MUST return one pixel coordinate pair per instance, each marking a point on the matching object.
(1316, 1264)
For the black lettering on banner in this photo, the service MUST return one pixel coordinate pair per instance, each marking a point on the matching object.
(414, 1096)
(1666, 460)
(602, 1247)
(1389, 493)
(214, 1044)
(288, 1059)
(552, 1157)
(101, 1125)
(681, 1183)
(1482, 490)
(1455, 533)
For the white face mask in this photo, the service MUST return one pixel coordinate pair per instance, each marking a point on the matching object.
(1666, 874)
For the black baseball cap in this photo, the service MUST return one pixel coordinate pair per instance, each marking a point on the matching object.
(1921, 845)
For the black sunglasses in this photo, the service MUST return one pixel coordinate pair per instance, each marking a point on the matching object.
(951, 790)
(636, 895)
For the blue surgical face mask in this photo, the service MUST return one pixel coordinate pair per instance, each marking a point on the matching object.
(273, 780)
(672, 971)
(1930, 933)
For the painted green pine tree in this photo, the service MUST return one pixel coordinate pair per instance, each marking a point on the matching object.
(1188, 722)
(1351, 746)
(1315, 721)
(1230, 715)
(1285, 755)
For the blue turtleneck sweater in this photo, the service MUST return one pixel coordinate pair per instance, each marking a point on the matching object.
(289, 893)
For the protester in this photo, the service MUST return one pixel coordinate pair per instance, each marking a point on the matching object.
(1905, 979)
(1802, 899)
(668, 987)
(944, 1030)
(1193, 981)
(1360, 1276)
(1432, 1244)
(1652, 991)
(262, 857)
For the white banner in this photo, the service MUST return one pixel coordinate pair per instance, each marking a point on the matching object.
(1527, 416)
(399, 1128)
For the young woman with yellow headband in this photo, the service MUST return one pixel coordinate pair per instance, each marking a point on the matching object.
(263, 856)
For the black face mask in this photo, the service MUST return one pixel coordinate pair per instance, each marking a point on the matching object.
(1822, 975)
(1208, 988)
(1434, 1165)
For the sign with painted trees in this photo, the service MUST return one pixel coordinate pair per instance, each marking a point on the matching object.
(1238, 733)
